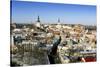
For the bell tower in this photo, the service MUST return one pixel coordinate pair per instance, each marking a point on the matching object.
(38, 24)
(38, 19)
(58, 20)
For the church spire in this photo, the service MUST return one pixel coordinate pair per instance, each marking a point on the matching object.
(58, 20)
(38, 19)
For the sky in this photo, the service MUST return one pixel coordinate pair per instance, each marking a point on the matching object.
(27, 12)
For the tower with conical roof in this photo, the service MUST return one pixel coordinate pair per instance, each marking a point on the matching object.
(58, 20)
(38, 19)
(58, 24)
(38, 24)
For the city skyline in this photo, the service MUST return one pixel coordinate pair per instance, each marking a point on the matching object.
(27, 12)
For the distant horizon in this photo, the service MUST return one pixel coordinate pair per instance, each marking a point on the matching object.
(27, 12)
(60, 23)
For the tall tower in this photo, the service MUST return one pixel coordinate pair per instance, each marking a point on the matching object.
(58, 24)
(38, 24)
(38, 19)
(58, 20)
